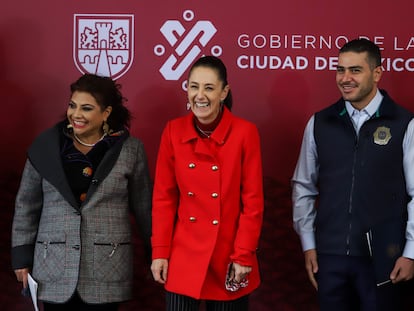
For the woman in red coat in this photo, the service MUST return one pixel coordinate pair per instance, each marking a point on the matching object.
(208, 199)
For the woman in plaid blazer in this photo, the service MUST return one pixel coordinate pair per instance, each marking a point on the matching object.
(71, 228)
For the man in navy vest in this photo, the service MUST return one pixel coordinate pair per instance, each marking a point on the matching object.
(353, 190)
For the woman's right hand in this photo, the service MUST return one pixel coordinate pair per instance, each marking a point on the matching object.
(22, 275)
(159, 269)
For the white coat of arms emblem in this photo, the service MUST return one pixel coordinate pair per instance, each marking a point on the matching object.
(103, 44)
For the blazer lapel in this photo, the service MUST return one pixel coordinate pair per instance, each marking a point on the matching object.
(44, 154)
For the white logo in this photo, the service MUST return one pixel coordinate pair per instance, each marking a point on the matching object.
(186, 46)
(103, 43)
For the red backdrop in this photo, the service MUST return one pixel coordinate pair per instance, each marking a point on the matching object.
(280, 58)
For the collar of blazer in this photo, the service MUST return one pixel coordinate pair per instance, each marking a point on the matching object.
(44, 154)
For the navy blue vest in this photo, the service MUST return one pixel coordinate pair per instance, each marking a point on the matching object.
(361, 179)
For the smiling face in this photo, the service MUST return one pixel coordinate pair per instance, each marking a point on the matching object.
(356, 78)
(86, 116)
(205, 92)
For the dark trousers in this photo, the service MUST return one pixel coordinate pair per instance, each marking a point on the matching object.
(176, 302)
(76, 303)
(347, 283)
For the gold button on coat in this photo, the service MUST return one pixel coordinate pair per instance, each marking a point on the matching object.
(191, 165)
(215, 222)
(192, 219)
(214, 195)
(214, 167)
(190, 194)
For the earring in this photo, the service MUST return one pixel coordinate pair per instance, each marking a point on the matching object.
(105, 128)
(188, 106)
(70, 128)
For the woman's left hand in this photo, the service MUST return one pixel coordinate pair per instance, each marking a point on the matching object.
(240, 272)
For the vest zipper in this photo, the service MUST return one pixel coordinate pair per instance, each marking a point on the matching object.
(348, 238)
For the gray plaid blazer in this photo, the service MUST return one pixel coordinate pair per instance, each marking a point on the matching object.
(87, 249)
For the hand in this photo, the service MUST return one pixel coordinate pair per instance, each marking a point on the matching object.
(239, 272)
(311, 264)
(403, 270)
(22, 275)
(159, 269)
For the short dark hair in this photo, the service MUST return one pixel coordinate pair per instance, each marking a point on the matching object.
(106, 93)
(362, 45)
(216, 64)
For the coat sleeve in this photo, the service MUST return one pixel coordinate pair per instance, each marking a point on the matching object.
(165, 198)
(252, 201)
(28, 208)
(140, 193)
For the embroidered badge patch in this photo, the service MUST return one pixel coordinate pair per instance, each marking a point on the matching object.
(382, 135)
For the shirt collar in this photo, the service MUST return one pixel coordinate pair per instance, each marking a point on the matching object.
(370, 109)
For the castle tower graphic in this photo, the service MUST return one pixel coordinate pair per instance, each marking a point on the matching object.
(103, 44)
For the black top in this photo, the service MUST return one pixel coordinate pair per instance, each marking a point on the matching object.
(80, 168)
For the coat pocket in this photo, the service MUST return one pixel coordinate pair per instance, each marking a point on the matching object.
(112, 258)
(49, 257)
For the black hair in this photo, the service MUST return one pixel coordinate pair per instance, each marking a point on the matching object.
(106, 93)
(364, 45)
(216, 64)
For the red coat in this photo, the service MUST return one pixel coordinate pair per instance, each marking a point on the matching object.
(208, 205)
